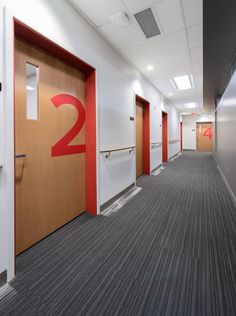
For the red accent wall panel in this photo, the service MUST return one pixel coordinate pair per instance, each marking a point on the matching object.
(146, 139)
(146, 134)
(164, 137)
(91, 168)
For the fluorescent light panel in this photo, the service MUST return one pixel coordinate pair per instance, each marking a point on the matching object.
(190, 105)
(183, 82)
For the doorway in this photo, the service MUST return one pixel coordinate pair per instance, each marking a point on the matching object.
(204, 136)
(181, 136)
(164, 136)
(142, 137)
(55, 137)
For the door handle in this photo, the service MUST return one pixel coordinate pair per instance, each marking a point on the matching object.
(20, 155)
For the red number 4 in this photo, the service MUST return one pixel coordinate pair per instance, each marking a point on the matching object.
(208, 133)
(62, 147)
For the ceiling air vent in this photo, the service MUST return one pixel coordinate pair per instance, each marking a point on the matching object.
(147, 22)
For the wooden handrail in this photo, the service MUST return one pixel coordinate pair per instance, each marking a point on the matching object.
(109, 151)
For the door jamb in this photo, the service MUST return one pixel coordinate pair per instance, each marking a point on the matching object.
(146, 134)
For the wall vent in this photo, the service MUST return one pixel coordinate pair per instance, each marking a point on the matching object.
(147, 22)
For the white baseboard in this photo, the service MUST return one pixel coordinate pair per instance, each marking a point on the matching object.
(226, 183)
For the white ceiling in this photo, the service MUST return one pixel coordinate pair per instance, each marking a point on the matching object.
(177, 51)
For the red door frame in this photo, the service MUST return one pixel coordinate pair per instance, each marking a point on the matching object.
(164, 136)
(146, 133)
(181, 136)
(31, 36)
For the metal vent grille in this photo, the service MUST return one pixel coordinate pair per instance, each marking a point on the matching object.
(147, 22)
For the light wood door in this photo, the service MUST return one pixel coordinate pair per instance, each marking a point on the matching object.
(50, 191)
(204, 136)
(139, 139)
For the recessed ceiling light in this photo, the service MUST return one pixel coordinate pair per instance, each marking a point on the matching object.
(150, 67)
(182, 82)
(190, 105)
(186, 113)
(170, 94)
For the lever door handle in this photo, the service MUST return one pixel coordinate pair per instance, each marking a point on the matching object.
(20, 155)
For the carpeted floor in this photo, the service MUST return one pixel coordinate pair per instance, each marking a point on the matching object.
(171, 250)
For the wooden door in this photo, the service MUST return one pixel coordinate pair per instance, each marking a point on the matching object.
(204, 136)
(139, 138)
(164, 137)
(50, 180)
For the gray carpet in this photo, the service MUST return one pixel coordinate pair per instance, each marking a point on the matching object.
(171, 250)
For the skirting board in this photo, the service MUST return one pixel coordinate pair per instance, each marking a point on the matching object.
(120, 202)
(156, 168)
(117, 196)
(227, 184)
(179, 152)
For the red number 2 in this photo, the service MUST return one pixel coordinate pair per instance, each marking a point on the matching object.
(208, 132)
(62, 147)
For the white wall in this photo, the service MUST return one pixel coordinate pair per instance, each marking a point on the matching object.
(225, 149)
(2, 211)
(117, 83)
(189, 128)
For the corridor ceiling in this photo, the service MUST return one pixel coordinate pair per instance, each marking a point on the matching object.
(177, 51)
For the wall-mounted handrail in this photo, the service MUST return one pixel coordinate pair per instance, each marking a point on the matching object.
(110, 151)
(174, 141)
(156, 145)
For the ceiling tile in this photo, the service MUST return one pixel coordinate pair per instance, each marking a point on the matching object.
(195, 36)
(99, 11)
(141, 56)
(135, 6)
(123, 37)
(197, 55)
(198, 81)
(163, 85)
(174, 60)
(178, 71)
(169, 43)
(197, 68)
(169, 13)
(193, 11)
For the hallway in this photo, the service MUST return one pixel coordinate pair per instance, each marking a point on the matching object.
(169, 251)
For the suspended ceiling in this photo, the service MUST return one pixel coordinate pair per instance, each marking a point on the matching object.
(177, 51)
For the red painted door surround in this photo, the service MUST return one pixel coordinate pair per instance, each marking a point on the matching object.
(146, 133)
(164, 136)
(37, 40)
